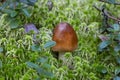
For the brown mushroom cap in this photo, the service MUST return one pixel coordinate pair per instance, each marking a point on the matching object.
(65, 38)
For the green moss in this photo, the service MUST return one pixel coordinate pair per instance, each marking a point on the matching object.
(86, 59)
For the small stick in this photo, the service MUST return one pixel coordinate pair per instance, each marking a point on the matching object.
(106, 13)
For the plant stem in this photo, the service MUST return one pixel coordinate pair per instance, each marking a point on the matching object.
(61, 56)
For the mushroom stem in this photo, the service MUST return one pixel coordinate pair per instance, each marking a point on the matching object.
(61, 56)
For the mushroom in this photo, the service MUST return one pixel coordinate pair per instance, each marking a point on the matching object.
(65, 38)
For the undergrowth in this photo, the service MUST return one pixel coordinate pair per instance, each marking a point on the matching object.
(15, 44)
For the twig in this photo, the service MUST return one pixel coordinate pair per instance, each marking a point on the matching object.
(110, 16)
(96, 8)
(116, 3)
(106, 13)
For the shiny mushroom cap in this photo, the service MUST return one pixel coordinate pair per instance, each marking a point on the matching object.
(65, 38)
